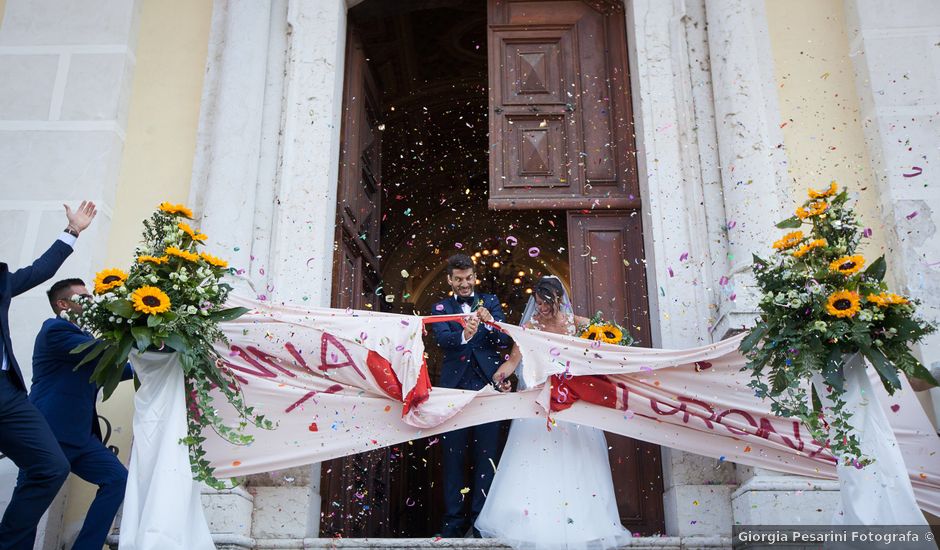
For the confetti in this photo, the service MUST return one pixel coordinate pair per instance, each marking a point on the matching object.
(895, 407)
(912, 215)
(512, 241)
(404, 273)
(313, 427)
(866, 232)
(915, 171)
(534, 252)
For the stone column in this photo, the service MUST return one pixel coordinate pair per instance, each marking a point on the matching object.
(264, 186)
(66, 69)
(753, 169)
(891, 44)
(752, 166)
(683, 225)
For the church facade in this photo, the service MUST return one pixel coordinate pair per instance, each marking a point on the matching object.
(337, 151)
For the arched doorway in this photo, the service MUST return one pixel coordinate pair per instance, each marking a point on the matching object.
(475, 127)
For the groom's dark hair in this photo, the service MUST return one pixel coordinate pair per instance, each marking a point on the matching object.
(458, 261)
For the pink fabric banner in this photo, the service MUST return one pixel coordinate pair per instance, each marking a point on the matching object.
(341, 382)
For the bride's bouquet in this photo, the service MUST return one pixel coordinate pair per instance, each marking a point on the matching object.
(607, 332)
(821, 302)
(171, 299)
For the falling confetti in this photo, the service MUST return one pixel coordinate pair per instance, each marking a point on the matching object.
(915, 171)
(534, 252)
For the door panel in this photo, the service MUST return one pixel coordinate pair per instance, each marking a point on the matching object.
(562, 66)
(605, 250)
(355, 489)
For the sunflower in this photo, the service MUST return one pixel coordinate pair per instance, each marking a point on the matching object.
(833, 187)
(173, 251)
(844, 303)
(179, 209)
(150, 300)
(608, 333)
(156, 260)
(886, 299)
(815, 208)
(847, 265)
(789, 240)
(108, 279)
(213, 261)
(816, 243)
(191, 232)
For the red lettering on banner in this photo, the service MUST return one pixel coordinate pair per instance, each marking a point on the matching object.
(229, 368)
(704, 405)
(335, 388)
(297, 357)
(655, 403)
(261, 371)
(732, 429)
(325, 341)
(766, 428)
(270, 360)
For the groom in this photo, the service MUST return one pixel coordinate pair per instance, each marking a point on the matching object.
(471, 358)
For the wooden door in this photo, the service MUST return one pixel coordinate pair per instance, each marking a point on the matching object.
(355, 488)
(560, 115)
(561, 137)
(608, 274)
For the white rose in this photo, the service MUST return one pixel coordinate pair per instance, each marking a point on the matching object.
(191, 310)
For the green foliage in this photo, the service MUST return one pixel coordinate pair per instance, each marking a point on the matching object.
(807, 327)
(192, 283)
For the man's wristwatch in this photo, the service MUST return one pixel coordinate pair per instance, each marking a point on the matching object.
(71, 231)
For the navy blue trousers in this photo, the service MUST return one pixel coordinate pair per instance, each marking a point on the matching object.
(94, 463)
(482, 443)
(27, 440)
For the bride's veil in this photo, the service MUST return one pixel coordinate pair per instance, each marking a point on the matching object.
(529, 312)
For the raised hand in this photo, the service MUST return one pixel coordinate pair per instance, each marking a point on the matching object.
(471, 326)
(80, 218)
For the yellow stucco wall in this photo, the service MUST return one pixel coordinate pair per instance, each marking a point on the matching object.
(157, 161)
(819, 105)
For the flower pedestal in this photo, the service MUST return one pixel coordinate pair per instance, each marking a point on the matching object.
(879, 493)
(162, 503)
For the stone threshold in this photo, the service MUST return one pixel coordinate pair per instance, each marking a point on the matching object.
(237, 542)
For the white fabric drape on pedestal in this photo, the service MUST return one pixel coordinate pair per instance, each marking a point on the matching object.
(162, 503)
(880, 493)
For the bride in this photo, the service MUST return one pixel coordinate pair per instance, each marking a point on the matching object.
(552, 488)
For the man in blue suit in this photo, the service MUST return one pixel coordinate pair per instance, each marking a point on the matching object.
(25, 436)
(66, 396)
(471, 357)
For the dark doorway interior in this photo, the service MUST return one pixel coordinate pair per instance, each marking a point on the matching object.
(414, 188)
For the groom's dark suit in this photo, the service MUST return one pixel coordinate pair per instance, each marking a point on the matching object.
(464, 367)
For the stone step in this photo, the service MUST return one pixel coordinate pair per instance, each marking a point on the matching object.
(230, 542)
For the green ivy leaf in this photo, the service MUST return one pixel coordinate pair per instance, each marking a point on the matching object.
(889, 377)
(790, 223)
(142, 337)
(877, 269)
(124, 308)
(229, 314)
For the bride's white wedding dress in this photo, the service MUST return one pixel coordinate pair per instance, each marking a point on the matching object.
(552, 489)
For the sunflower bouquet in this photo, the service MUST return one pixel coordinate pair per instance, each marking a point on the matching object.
(822, 301)
(172, 299)
(605, 331)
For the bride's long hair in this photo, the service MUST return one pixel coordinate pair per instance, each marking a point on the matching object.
(550, 291)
